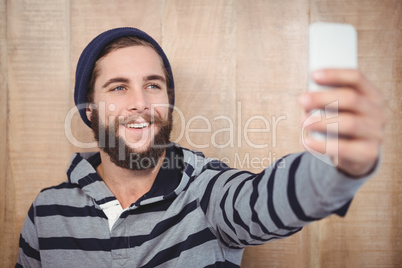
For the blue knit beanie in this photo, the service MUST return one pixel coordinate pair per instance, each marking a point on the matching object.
(90, 55)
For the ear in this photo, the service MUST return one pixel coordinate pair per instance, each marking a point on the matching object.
(89, 110)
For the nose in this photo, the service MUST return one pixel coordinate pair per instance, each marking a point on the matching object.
(137, 100)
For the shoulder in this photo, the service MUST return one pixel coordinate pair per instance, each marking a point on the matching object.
(198, 161)
(64, 193)
(204, 170)
(62, 186)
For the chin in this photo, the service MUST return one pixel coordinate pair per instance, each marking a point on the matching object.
(136, 149)
(139, 150)
(138, 146)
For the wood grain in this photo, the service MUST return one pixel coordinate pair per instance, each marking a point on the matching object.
(235, 62)
(363, 239)
(7, 193)
(200, 37)
(271, 72)
(37, 53)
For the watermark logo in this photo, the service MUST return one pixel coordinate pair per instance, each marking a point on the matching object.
(237, 130)
(330, 137)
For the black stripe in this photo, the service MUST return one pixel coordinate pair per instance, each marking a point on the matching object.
(160, 228)
(188, 183)
(193, 152)
(93, 244)
(148, 208)
(236, 216)
(31, 214)
(225, 264)
(172, 195)
(64, 185)
(188, 169)
(342, 210)
(291, 191)
(28, 250)
(88, 244)
(215, 165)
(192, 178)
(224, 237)
(19, 266)
(95, 160)
(271, 209)
(68, 211)
(175, 251)
(224, 214)
(223, 201)
(89, 179)
(254, 213)
(105, 200)
(253, 202)
(73, 164)
(208, 191)
(235, 175)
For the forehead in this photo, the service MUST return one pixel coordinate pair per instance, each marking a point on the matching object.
(132, 60)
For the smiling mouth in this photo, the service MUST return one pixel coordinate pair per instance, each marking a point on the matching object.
(138, 125)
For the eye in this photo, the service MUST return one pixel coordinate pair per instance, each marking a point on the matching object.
(154, 86)
(118, 88)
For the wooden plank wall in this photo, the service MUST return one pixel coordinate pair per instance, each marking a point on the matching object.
(233, 60)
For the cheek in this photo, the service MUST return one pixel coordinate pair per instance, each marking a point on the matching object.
(161, 111)
(108, 114)
(161, 107)
(110, 107)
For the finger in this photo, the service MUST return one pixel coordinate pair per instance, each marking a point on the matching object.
(342, 99)
(351, 156)
(357, 158)
(344, 125)
(344, 77)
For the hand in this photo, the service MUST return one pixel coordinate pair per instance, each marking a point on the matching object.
(359, 123)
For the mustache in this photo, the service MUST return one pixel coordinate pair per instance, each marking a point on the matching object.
(150, 118)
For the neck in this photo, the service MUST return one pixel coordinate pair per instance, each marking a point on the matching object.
(127, 185)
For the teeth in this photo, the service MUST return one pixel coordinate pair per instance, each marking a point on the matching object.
(139, 125)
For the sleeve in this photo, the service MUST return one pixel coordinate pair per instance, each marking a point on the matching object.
(251, 209)
(29, 255)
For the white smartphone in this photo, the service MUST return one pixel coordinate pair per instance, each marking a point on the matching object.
(331, 45)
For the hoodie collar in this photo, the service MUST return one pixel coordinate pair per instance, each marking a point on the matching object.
(82, 171)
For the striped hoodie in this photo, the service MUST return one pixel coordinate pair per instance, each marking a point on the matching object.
(198, 213)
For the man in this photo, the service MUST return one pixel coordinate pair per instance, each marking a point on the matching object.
(144, 202)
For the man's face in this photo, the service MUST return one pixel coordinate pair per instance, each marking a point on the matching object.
(132, 99)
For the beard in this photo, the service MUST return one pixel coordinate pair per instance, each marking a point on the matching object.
(114, 145)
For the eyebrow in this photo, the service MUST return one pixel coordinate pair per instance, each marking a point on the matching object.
(155, 77)
(126, 81)
(115, 80)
